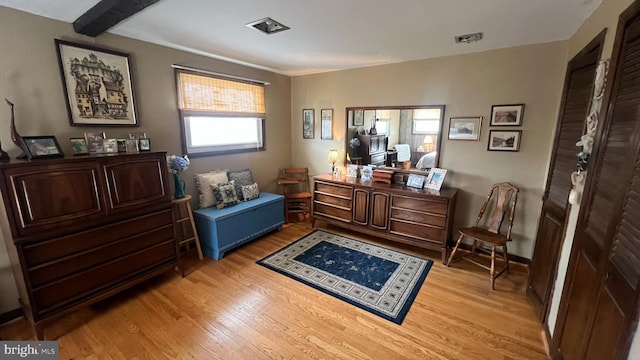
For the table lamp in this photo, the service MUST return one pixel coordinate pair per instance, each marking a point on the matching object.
(427, 144)
(333, 158)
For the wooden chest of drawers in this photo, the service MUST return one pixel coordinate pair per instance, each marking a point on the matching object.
(418, 217)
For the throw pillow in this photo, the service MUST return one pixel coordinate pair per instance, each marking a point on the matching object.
(225, 194)
(250, 192)
(204, 182)
(242, 178)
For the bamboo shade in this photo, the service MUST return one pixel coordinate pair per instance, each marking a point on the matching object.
(210, 94)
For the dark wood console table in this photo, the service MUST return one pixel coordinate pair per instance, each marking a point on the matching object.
(418, 217)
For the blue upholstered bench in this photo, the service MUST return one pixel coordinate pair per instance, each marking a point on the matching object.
(221, 230)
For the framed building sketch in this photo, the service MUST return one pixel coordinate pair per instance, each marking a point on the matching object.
(97, 85)
(307, 123)
(507, 115)
(326, 120)
(504, 140)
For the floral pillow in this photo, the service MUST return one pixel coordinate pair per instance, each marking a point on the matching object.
(225, 194)
(250, 192)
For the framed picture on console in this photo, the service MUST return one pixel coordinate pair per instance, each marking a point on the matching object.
(435, 178)
(41, 147)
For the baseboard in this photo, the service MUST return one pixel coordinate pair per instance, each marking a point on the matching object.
(515, 258)
(553, 352)
(10, 315)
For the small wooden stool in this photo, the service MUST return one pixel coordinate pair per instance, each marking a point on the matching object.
(180, 206)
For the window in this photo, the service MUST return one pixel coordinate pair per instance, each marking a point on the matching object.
(220, 115)
(426, 121)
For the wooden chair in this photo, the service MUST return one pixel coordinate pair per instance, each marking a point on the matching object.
(505, 199)
(297, 197)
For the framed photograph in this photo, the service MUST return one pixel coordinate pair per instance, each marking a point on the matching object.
(122, 145)
(137, 135)
(465, 128)
(145, 144)
(110, 145)
(352, 170)
(504, 140)
(307, 123)
(415, 181)
(79, 146)
(507, 115)
(358, 117)
(95, 141)
(326, 120)
(41, 146)
(132, 146)
(435, 179)
(97, 85)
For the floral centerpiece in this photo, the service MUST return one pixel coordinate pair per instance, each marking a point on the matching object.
(354, 144)
(178, 164)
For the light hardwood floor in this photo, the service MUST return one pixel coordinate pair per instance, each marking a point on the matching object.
(236, 309)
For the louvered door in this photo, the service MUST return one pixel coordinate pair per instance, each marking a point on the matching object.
(574, 108)
(600, 302)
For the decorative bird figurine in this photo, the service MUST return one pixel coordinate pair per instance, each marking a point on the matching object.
(15, 137)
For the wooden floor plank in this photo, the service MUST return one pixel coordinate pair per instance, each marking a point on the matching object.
(237, 309)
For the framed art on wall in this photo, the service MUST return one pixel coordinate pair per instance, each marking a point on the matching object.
(97, 85)
(507, 115)
(504, 140)
(358, 117)
(465, 128)
(326, 120)
(307, 123)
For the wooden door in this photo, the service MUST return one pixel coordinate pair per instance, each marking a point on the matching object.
(574, 108)
(379, 210)
(361, 206)
(599, 303)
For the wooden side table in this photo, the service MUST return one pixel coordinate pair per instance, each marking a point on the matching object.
(181, 214)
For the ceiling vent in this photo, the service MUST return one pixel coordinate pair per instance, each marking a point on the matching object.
(268, 26)
(468, 38)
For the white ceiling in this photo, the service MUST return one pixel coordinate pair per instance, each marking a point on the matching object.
(329, 35)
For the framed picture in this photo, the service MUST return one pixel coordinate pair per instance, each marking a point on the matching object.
(352, 170)
(465, 128)
(307, 123)
(122, 145)
(504, 140)
(145, 144)
(137, 135)
(79, 146)
(358, 117)
(110, 145)
(326, 120)
(95, 141)
(415, 181)
(97, 85)
(41, 146)
(507, 115)
(435, 178)
(132, 146)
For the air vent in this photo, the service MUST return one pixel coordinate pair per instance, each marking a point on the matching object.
(468, 38)
(268, 26)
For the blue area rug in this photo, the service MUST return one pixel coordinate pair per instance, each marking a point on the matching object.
(382, 281)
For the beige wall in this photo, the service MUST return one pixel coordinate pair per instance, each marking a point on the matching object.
(30, 78)
(468, 85)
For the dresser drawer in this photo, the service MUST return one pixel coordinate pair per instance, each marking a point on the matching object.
(419, 204)
(379, 159)
(332, 200)
(332, 212)
(75, 288)
(419, 217)
(333, 189)
(420, 232)
(45, 251)
(62, 267)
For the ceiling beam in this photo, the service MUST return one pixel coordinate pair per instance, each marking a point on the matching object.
(106, 14)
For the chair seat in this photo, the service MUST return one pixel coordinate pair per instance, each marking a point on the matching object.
(484, 235)
(301, 195)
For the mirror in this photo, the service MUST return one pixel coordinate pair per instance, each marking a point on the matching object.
(406, 137)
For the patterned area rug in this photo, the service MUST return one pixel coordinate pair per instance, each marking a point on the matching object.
(379, 280)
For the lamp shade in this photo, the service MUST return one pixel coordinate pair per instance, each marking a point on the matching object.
(333, 156)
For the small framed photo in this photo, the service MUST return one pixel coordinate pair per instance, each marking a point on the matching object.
(307, 123)
(504, 140)
(137, 135)
(358, 117)
(145, 144)
(507, 115)
(435, 179)
(79, 146)
(132, 146)
(122, 145)
(465, 128)
(366, 172)
(415, 181)
(41, 146)
(95, 141)
(326, 120)
(110, 145)
(352, 170)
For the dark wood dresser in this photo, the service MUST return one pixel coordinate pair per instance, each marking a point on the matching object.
(418, 217)
(373, 149)
(81, 229)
